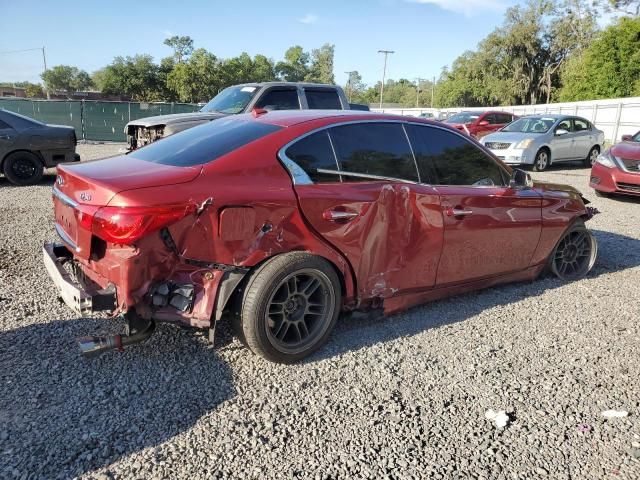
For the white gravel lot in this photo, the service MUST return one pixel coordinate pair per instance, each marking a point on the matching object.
(402, 397)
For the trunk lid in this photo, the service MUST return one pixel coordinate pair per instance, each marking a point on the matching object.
(81, 189)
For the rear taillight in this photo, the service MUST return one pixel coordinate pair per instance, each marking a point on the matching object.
(126, 225)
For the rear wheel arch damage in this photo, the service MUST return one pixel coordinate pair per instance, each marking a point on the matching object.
(288, 306)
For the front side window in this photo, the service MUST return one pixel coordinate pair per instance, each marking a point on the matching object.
(564, 125)
(323, 99)
(504, 118)
(312, 153)
(279, 100)
(380, 149)
(492, 119)
(463, 117)
(446, 158)
(204, 143)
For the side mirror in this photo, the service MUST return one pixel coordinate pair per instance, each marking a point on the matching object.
(627, 138)
(520, 179)
(483, 123)
(561, 131)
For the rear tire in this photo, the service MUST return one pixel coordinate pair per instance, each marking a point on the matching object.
(591, 158)
(541, 162)
(290, 305)
(575, 254)
(23, 168)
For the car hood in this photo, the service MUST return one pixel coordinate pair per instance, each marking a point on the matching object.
(175, 118)
(509, 137)
(630, 150)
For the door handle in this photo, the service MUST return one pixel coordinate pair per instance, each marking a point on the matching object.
(5, 137)
(458, 212)
(338, 215)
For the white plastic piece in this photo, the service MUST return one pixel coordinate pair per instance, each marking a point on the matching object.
(500, 418)
(614, 413)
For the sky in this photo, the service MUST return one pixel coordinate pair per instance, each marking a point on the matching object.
(426, 35)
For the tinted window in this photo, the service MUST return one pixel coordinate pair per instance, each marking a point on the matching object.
(323, 100)
(279, 100)
(445, 158)
(503, 118)
(374, 148)
(580, 125)
(203, 143)
(4, 125)
(314, 152)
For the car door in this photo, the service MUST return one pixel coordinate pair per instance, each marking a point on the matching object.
(357, 186)
(583, 138)
(489, 228)
(7, 137)
(561, 145)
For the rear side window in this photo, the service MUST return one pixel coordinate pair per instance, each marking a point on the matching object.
(445, 158)
(503, 118)
(204, 143)
(323, 99)
(312, 153)
(380, 149)
(580, 125)
(279, 100)
(491, 118)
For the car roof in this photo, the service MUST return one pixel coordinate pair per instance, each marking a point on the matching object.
(284, 84)
(555, 116)
(288, 118)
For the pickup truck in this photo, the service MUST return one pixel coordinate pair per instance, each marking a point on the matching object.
(241, 99)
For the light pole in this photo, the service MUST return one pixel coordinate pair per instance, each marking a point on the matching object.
(349, 86)
(418, 80)
(384, 72)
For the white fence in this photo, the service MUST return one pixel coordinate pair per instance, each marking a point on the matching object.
(615, 117)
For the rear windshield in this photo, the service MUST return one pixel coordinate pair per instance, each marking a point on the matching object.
(204, 143)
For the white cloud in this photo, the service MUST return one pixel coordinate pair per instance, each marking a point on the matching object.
(308, 19)
(467, 7)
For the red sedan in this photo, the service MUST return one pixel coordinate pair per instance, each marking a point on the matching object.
(618, 169)
(479, 124)
(282, 220)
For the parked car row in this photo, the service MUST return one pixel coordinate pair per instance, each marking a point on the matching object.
(282, 220)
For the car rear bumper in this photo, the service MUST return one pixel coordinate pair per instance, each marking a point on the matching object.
(614, 180)
(82, 299)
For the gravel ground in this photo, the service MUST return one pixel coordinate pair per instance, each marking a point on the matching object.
(403, 397)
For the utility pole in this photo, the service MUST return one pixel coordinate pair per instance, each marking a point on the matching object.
(418, 80)
(433, 88)
(349, 86)
(44, 60)
(384, 72)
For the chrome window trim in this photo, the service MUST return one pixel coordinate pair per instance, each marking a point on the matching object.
(363, 175)
(307, 180)
(70, 202)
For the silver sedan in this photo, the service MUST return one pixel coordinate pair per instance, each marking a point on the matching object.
(541, 140)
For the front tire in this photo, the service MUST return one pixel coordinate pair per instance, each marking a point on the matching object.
(575, 253)
(541, 162)
(290, 305)
(23, 168)
(591, 158)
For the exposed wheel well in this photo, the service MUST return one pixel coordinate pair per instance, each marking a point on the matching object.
(234, 301)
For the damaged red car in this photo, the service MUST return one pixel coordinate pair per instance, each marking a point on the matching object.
(617, 171)
(283, 220)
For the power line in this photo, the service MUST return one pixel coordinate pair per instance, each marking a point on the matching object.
(20, 51)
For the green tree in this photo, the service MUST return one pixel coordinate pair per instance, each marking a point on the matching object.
(295, 66)
(33, 90)
(321, 69)
(182, 47)
(198, 79)
(67, 79)
(135, 76)
(609, 67)
(355, 87)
